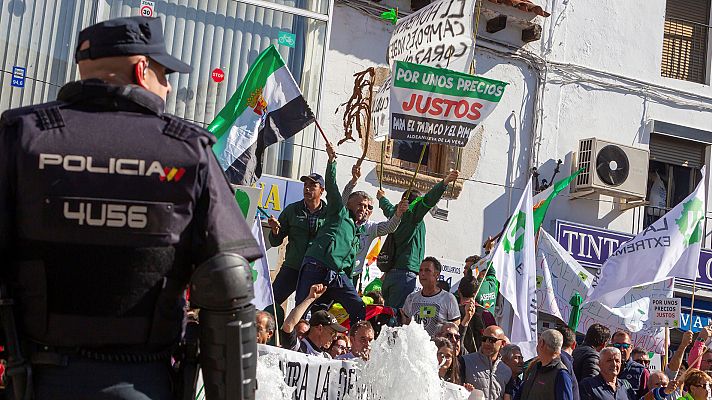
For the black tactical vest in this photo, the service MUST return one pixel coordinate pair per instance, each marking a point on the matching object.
(106, 189)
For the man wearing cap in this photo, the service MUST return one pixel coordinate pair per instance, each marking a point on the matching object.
(323, 327)
(333, 251)
(109, 208)
(298, 223)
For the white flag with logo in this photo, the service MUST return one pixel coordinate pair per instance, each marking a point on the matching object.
(670, 247)
(260, 271)
(515, 266)
(560, 277)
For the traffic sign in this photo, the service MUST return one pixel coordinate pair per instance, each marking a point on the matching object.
(218, 75)
(666, 312)
(148, 8)
(18, 76)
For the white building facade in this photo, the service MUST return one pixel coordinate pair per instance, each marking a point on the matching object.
(635, 73)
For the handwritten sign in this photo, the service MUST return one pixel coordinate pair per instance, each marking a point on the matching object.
(379, 111)
(666, 312)
(439, 105)
(439, 35)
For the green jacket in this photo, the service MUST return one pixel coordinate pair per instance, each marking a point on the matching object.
(337, 241)
(294, 221)
(410, 236)
(487, 295)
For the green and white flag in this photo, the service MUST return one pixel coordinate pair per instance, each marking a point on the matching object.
(267, 108)
(670, 247)
(437, 105)
(544, 198)
(514, 262)
(260, 272)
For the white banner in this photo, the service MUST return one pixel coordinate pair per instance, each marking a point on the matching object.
(559, 276)
(669, 247)
(260, 271)
(438, 35)
(318, 378)
(379, 111)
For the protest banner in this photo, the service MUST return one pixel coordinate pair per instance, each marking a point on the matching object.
(438, 105)
(439, 34)
(379, 111)
(559, 276)
(320, 378)
(666, 312)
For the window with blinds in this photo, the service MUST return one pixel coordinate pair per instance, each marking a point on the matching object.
(685, 40)
(228, 34)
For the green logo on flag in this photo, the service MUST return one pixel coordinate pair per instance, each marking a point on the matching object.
(689, 221)
(254, 271)
(243, 201)
(427, 312)
(514, 235)
(287, 39)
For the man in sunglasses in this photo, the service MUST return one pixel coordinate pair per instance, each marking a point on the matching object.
(360, 204)
(484, 369)
(632, 372)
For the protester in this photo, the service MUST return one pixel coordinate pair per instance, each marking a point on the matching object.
(360, 204)
(471, 323)
(605, 385)
(451, 332)
(512, 356)
(640, 356)
(265, 326)
(658, 379)
(586, 356)
(323, 327)
(696, 386)
(298, 223)
(567, 348)
(484, 370)
(431, 305)
(361, 335)
(409, 241)
(700, 356)
(332, 251)
(339, 346)
(376, 296)
(447, 361)
(548, 376)
(302, 328)
(634, 373)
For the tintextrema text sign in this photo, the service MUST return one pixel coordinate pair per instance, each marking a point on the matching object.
(438, 105)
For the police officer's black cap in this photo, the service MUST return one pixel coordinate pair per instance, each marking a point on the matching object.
(128, 37)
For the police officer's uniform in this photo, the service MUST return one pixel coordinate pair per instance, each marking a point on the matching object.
(109, 208)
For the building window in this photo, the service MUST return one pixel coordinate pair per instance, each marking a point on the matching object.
(225, 34)
(686, 40)
(673, 173)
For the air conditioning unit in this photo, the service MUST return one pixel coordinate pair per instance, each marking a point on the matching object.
(612, 169)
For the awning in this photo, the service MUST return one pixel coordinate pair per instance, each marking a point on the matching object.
(524, 5)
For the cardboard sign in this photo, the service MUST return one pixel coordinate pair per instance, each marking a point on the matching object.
(379, 111)
(666, 312)
(439, 34)
(438, 105)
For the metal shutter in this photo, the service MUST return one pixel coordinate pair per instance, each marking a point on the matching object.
(685, 40)
(670, 150)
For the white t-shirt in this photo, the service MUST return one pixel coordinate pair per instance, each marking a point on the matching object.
(431, 310)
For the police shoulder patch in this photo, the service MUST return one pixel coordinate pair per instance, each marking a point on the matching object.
(9, 117)
(186, 131)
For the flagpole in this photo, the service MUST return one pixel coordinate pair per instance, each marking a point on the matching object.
(417, 169)
(383, 156)
(692, 302)
(320, 130)
(667, 341)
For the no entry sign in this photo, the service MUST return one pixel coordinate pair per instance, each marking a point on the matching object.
(218, 75)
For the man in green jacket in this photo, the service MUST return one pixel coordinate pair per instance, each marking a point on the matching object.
(409, 240)
(299, 222)
(333, 251)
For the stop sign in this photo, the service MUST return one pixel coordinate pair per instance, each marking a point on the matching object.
(218, 75)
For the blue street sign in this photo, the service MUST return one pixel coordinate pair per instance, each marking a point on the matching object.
(18, 77)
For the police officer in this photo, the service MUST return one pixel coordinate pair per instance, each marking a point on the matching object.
(109, 209)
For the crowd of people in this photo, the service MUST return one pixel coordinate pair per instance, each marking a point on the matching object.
(327, 243)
